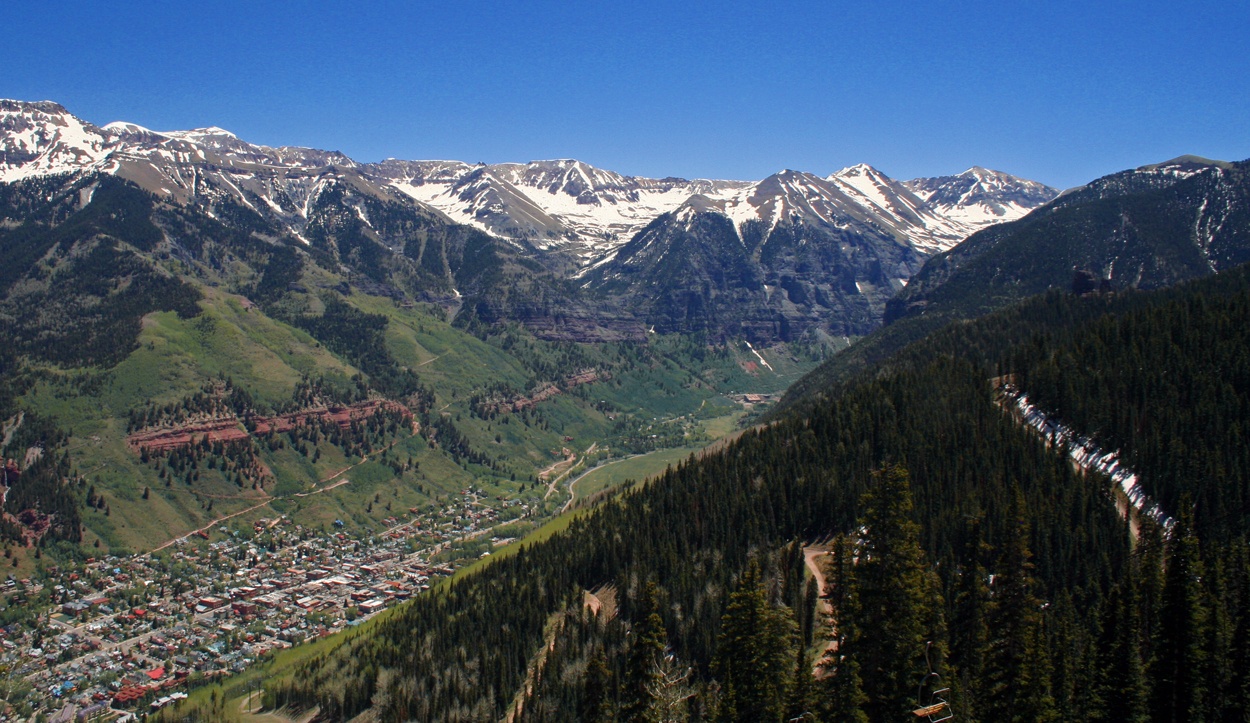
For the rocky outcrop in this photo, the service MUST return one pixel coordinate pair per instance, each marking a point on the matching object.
(232, 429)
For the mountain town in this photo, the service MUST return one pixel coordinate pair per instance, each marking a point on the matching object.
(624, 364)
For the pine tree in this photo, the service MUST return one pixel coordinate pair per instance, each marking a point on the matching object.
(802, 691)
(895, 614)
(1018, 664)
(755, 652)
(844, 693)
(650, 640)
(1120, 677)
(1179, 690)
(1239, 688)
(842, 687)
(970, 624)
(596, 704)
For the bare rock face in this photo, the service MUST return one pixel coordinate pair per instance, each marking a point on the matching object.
(693, 271)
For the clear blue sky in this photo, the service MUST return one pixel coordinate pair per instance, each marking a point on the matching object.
(1061, 92)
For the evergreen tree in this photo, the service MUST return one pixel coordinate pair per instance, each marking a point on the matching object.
(843, 694)
(596, 704)
(970, 623)
(755, 653)
(1018, 678)
(1120, 677)
(1238, 694)
(642, 676)
(895, 613)
(1179, 690)
(802, 691)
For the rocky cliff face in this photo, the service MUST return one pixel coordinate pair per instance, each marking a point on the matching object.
(693, 270)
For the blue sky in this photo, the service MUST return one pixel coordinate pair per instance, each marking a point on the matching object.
(1061, 92)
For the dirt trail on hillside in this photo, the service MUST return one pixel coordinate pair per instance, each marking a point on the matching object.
(209, 526)
(572, 462)
(811, 556)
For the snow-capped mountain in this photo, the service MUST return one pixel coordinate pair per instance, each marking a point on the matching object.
(43, 138)
(897, 207)
(569, 205)
(771, 261)
(208, 167)
(979, 197)
(768, 259)
(1142, 228)
(561, 205)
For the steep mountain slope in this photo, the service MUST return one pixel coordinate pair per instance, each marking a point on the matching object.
(806, 267)
(979, 197)
(1139, 229)
(556, 205)
(906, 213)
(43, 138)
(791, 255)
(1144, 228)
(346, 219)
(591, 212)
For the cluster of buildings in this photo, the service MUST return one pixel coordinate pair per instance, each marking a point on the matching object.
(123, 635)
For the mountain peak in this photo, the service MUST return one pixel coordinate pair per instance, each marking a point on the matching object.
(133, 129)
(857, 170)
(202, 133)
(555, 203)
(9, 105)
(699, 203)
(981, 196)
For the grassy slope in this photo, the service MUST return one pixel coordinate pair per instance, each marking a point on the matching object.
(176, 357)
(630, 468)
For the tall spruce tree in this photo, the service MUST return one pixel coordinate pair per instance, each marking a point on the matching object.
(895, 614)
(756, 652)
(841, 684)
(642, 676)
(1120, 676)
(970, 623)
(1238, 695)
(596, 703)
(1179, 690)
(1018, 663)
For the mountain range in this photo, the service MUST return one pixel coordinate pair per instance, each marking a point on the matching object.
(770, 259)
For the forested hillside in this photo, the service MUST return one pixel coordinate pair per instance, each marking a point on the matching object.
(961, 545)
(1169, 387)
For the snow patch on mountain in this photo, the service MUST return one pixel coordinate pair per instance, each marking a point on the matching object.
(39, 139)
(979, 197)
(1087, 455)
